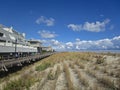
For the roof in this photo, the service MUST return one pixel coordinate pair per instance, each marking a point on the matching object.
(11, 35)
(34, 41)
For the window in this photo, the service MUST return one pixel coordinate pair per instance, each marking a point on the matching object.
(1, 34)
(2, 41)
(8, 41)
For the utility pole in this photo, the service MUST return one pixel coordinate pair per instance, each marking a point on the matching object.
(15, 46)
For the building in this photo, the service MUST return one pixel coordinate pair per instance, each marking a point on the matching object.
(38, 44)
(47, 48)
(35, 43)
(12, 41)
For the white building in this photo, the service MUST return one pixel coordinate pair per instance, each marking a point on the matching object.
(35, 43)
(47, 48)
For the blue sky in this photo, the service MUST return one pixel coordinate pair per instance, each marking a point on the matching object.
(65, 24)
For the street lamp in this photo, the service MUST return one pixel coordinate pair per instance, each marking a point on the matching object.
(15, 46)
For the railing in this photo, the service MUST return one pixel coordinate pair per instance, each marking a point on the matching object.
(4, 64)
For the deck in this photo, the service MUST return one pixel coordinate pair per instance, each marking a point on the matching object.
(5, 64)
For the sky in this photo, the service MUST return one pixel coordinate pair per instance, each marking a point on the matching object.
(65, 24)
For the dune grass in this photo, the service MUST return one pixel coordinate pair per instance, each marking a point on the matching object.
(89, 67)
(67, 73)
(23, 83)
(43, 66)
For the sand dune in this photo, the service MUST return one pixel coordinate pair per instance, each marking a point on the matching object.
(70, 71)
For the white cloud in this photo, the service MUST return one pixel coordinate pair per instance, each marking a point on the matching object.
(55, 42)
(75, 27)
(92, 27)
(44, 20)
(98, 44)
(43, 41)
(102, 44)
(57, 45)
(69, 45)
(116, 41)
(116, 38)
(47, 34)
(113, 43)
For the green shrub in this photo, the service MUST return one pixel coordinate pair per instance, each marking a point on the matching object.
(43, 67)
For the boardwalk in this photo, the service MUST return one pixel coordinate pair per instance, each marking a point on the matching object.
(4, 64)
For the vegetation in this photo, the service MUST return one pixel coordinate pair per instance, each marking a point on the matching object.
(23, 83)
(70, 71)
(69, 81)
(42, 66)
(100, 60)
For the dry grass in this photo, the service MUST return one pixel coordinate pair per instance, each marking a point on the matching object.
(91, 72)
(107, 82)
(67, 73)
(23, 83)
(94, 70)
(83, 80)
(53, 75)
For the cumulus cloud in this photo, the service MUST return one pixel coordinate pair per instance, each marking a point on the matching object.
(57, 45)
(92, 27)
(55, 42)
(44, 20)
(47, 34)
(116, 41)
(102, 44)
(43, 41)
(69, 45)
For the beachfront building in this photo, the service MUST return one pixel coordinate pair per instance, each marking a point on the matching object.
(47, 48)
(37, 44)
